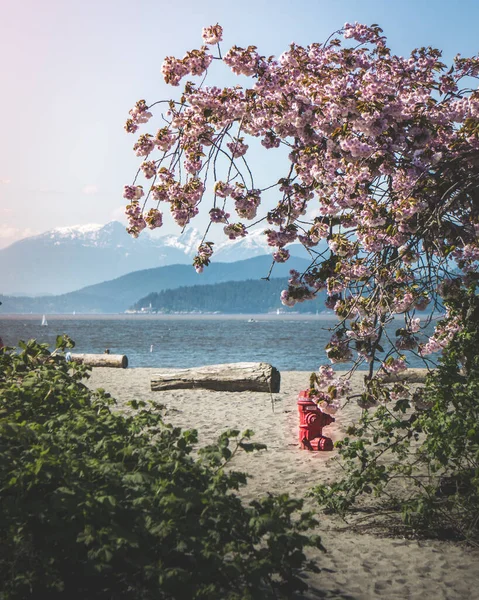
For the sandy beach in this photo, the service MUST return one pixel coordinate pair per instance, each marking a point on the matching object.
(357, 566)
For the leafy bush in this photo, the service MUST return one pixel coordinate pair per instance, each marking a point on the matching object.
(96, 504)
(421, 455)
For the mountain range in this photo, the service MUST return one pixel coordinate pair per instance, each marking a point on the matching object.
(117, 295)
(66, 259)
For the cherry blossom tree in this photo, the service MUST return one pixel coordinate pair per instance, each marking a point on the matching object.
(382, 150)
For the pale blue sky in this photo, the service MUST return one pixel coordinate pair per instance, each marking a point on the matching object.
(71, 70)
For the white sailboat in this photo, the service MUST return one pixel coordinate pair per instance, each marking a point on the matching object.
(44, 321)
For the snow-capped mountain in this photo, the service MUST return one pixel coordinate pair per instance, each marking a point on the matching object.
(66, 259)
(69, 258)
(187, 242)
(111, 234)
(253, 244)
(75, 232)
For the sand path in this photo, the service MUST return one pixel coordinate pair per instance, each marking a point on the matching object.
(356, 566)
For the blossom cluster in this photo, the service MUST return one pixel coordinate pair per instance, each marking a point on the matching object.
(444, 333)
(195, 62)
(327, 390)
(202, 259)
(138, 114)
(394, 365)
(213, 34)
(338, 350)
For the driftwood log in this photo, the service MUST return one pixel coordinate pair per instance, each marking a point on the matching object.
(101, 360)
(233, 377)
(410, 375)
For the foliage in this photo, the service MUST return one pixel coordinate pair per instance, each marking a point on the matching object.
(96, 504)
(376, 153)
(251, 296)
(422, 454)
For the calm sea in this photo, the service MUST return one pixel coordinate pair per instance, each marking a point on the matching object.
(289, 342)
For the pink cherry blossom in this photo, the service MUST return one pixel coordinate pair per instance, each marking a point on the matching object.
(282, 255)
(149, 169)
(213, 34)
(237, 148)
(133, 192)
(394, 365)
(376, 180)
(154, 219)
(219, 216)
(235, 230)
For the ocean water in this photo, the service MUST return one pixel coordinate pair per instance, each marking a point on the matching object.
(288, 342)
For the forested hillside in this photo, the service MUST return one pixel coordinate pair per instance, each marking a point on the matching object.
(249, 297)
(118, 294)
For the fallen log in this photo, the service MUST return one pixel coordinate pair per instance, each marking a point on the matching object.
(233, 377)
(409, 376)
(101, 360)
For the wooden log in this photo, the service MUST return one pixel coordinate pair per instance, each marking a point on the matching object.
(409, 376)
(233, 377)
(101, 360)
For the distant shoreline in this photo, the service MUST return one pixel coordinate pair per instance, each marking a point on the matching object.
(168, 317)
(183, 317)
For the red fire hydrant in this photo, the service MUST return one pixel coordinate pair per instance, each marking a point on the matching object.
(311, 422)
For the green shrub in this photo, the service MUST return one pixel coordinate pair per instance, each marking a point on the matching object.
(420, 455)
(96, 504)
